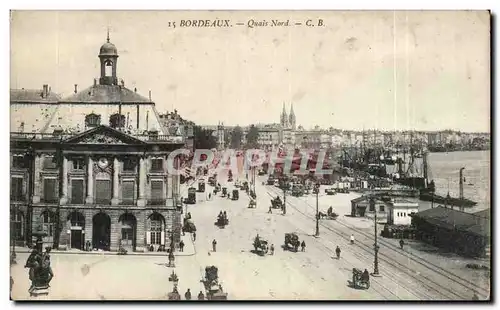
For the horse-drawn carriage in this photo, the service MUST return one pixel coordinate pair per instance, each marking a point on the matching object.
(212, 286)
(360, 279)
(330, 191)
(260, 246)
(212, 180)
(236, 195)
(224, 191)
(191, 196)
(252, 194)
(292, 242)
(222, 221)
(330, 215)
(188, 226)
(276, 203)
(244, 186)
(252, 204)
(297, 190)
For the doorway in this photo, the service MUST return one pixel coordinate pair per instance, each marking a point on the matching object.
(128, 231)
(101, 231)
(76, 239)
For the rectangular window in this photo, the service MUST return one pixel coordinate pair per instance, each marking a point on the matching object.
(157, 164)
(155, 232)
(128, 192)
(49, 162)
(129, 165)
(372, 208)
(382, 208)
(103, 192)
(78, 164)
(77, 195)
(157, 197)
(50, 190)
(16, 189)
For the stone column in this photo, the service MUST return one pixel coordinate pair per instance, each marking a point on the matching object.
(64, 198)
(116, 168)
(141, 202)
(90, 181)
(37, 188)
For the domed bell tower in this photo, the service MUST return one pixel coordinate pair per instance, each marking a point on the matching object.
(108, 57)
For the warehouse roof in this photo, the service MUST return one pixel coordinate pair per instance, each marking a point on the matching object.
(454, 219)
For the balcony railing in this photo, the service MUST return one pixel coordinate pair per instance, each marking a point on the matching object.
(49, 199)
(157, 202)
(18, 198)
(77, 201)
(128, 201)
(103, 201)
(64, 136)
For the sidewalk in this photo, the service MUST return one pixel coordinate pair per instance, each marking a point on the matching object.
(189, 250)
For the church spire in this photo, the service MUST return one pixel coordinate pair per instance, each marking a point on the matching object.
(284, 117)
(107, 38)
(291, 118)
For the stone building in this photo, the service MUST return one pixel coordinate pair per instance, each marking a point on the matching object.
(92, 167)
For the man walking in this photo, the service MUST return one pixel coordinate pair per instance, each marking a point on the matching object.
(181, 246)
(303, 246)
(214, 246)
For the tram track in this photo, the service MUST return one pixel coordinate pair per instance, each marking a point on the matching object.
(428, 283)
(420, 260)
(331, 253)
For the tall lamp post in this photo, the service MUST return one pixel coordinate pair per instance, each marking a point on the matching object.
(284, 198)
(376, 247)
(316, 189)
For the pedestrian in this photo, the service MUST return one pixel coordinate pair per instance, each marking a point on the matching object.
(352, 239)
(214, 246)
(337, 250)
(194, 235)
(272, 249)
(181, 246)
(401, 243)
(188, 295)
(270, 210)
(303, 246)
(201, 296)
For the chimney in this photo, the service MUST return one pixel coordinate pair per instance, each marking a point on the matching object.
(76, 88)
(150, 95)
(95, 82)
(45, 90)
(135, 89)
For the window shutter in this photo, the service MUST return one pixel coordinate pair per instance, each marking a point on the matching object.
(128, 191)
(77, 191)
(148, 237)
(162, 241)
(156, 190)
(103, 191)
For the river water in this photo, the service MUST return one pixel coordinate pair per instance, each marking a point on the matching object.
(445, 168)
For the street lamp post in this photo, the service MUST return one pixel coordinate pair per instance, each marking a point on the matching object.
(376, 247)
(317, 210)
(284, 199)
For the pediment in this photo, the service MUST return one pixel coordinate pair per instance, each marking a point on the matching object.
(103, 135)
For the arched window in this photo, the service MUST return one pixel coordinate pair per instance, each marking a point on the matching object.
(117, 121)
(155, 235)
(17, 224)
(77, 219)
(92, 120)
(48, 221)
(108, 68)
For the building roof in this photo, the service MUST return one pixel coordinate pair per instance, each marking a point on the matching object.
(484, 213)
(32, 95)
(106, 94)
(454, 219)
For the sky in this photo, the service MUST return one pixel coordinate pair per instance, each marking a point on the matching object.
(386, 70)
